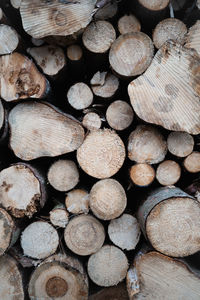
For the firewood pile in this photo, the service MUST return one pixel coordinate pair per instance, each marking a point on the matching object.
(100, 149)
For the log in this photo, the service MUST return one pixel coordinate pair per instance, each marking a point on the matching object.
(20, 78)
(74, 52)
(58, 276)
(169, 29)
(142, 175)
(168, 172)
(192, 162)
(119, 115)
(171, 86)
(11, 280)
(108, 266)
(146, 145)
(154, 5)
(102, 153)
(107, 199)
(77, 201)
(22, 190)
(99, 36)
(193, 37)
(170, 220)
(41, 19)
(104, 85)
(118, 292)
(59, 217)
(124, 232)
(180, 144)
(91, 121)
(107, 12)
(39, 240)
(80, 95)
(128, 24)
(63, 175)
(125, 60)
(84, 235)
(9, 39)
(50, 132)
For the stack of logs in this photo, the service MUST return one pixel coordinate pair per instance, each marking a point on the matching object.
(100, 150)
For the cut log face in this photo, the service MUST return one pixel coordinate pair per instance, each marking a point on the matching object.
(49, 133)
(107, 12)
(9, 39)
(124, 232)
(192, 162)
(108, 266)
(162, 277)
(142, 174)
(193, 37)
(131, 54)
(180, 144)
(169, 29)
(42, 19)
(91, 121)
(167, 94)
(80, 95)
(102, 153)
(20, 79)
(59, 217)
(104, 85)
(39, 240)
(107, 199)
(128, 23)
(168, 172)
(84, 235)
(77, 201)
(22, 190)
(11, 284)
(154, 5)
(146, 145)
(74, 52)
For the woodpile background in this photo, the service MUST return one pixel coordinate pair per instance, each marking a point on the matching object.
(100, 149)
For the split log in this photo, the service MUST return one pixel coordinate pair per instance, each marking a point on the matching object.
(63, 175)
(108, 266)
(118, 292)
(192, 162)
(180, 144)
(50, 132)
(91, 121)
(59, 217)
(168, 172)
(142, 175)
(22, 190)
(171, 86)
(107, 12)
(9, 39)
(59, 276)
(11, 280)
(169, 29)
(80, 96)
(124, 232)
(102, 153)
(104, 85)
(119, 115)
(20, 78)
(42, 18)
(74, 52)
(131, 54)
(128, 23)
(39, 240)
(99, 36)
(193, 37)
(107, 199)
(16, 3)
(174, 234)
(84, 235)
(146, 145)
(77, 201)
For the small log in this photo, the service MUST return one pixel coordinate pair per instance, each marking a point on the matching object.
(74, 52)
(125, 60)
(63, 175)
(128, 24)
(193, 37)
(84, 235)
(20, 78)
(107, 199)
(171, 86)
(119, 115)
(173, 234)
(104, 85)
(108, 266)
(59, 217)
(9, 39)
(11, 280)
(16, 3)
(80, 96)
(22, 190)
(51, 59)
(124, 232)
(77, 201)
(61, 277)
(169, 29)
(39, 240)
(142, 174)
(50, 132)
(102, 153)
(168, 172)
(146, 145)
(107, 12)
(192, 162)
(118, 292)
(180, 144)
(155, 5)
(91, 121)
(99, 36)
